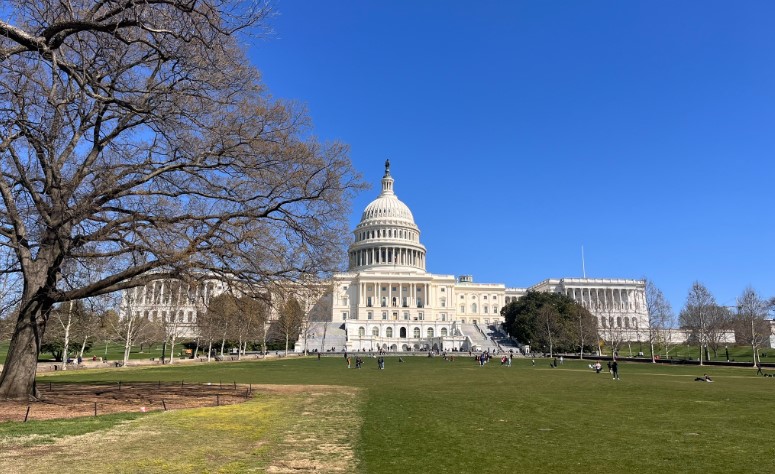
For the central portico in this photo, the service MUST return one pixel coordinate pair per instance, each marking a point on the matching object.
(387, 300)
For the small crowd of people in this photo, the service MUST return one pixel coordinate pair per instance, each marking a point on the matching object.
(359, 361)
(613, 368)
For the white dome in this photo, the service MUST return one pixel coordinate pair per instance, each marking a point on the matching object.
(387, 235)
(387, 206)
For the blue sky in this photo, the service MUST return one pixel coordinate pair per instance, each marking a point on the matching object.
(520, 131)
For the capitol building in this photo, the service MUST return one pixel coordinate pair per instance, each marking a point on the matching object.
(387, 300)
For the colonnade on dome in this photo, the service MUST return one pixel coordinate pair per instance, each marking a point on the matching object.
(387, 255)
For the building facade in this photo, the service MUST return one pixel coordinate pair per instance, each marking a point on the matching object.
(388, 301)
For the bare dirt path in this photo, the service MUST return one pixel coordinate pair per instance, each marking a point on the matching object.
(69, 400)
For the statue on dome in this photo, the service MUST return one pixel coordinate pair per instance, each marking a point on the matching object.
(387, 167)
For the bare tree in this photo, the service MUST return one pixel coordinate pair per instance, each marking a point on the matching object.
(320, 311)
(751, 321)
(137, 136)
(549, 326)
(661, 319)
(89, 324)
(177, 294)
(584, 329)
(65, 317)
(289, 321)
(612, 331)
(250, 322)
(216, 323)
(697, 314)
(134, 327)
(720, 322)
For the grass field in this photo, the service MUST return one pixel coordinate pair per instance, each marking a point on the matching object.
(430, 415)
(114, 352)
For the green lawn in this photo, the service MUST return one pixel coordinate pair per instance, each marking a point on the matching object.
(432, 415)
(110, 350)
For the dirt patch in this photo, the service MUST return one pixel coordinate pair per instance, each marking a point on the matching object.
(65, 400)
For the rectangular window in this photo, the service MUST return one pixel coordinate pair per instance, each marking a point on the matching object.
(384, 315)
(344, 315)
(369, 315)
(421, 317)
(406, 315)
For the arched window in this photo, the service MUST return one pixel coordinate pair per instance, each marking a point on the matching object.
(389, 332)
(443, 331)
(635, 322)
(417, 333)
(430, 332)
(361, 331)
(375, 331)
(627, 322)
(618, 321)
(402, 332)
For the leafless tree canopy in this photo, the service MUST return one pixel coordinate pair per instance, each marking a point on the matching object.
(661, 319)
(135, 136)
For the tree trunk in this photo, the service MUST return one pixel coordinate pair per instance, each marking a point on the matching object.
(287, 337)
(128, 340)
(263, 343)
(653, 359)
(209, 350)
(701, 354)
(17, 381)
(172, 347)
(66, 344)
(83, 347)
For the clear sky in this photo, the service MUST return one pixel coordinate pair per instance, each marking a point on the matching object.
(520, 131)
